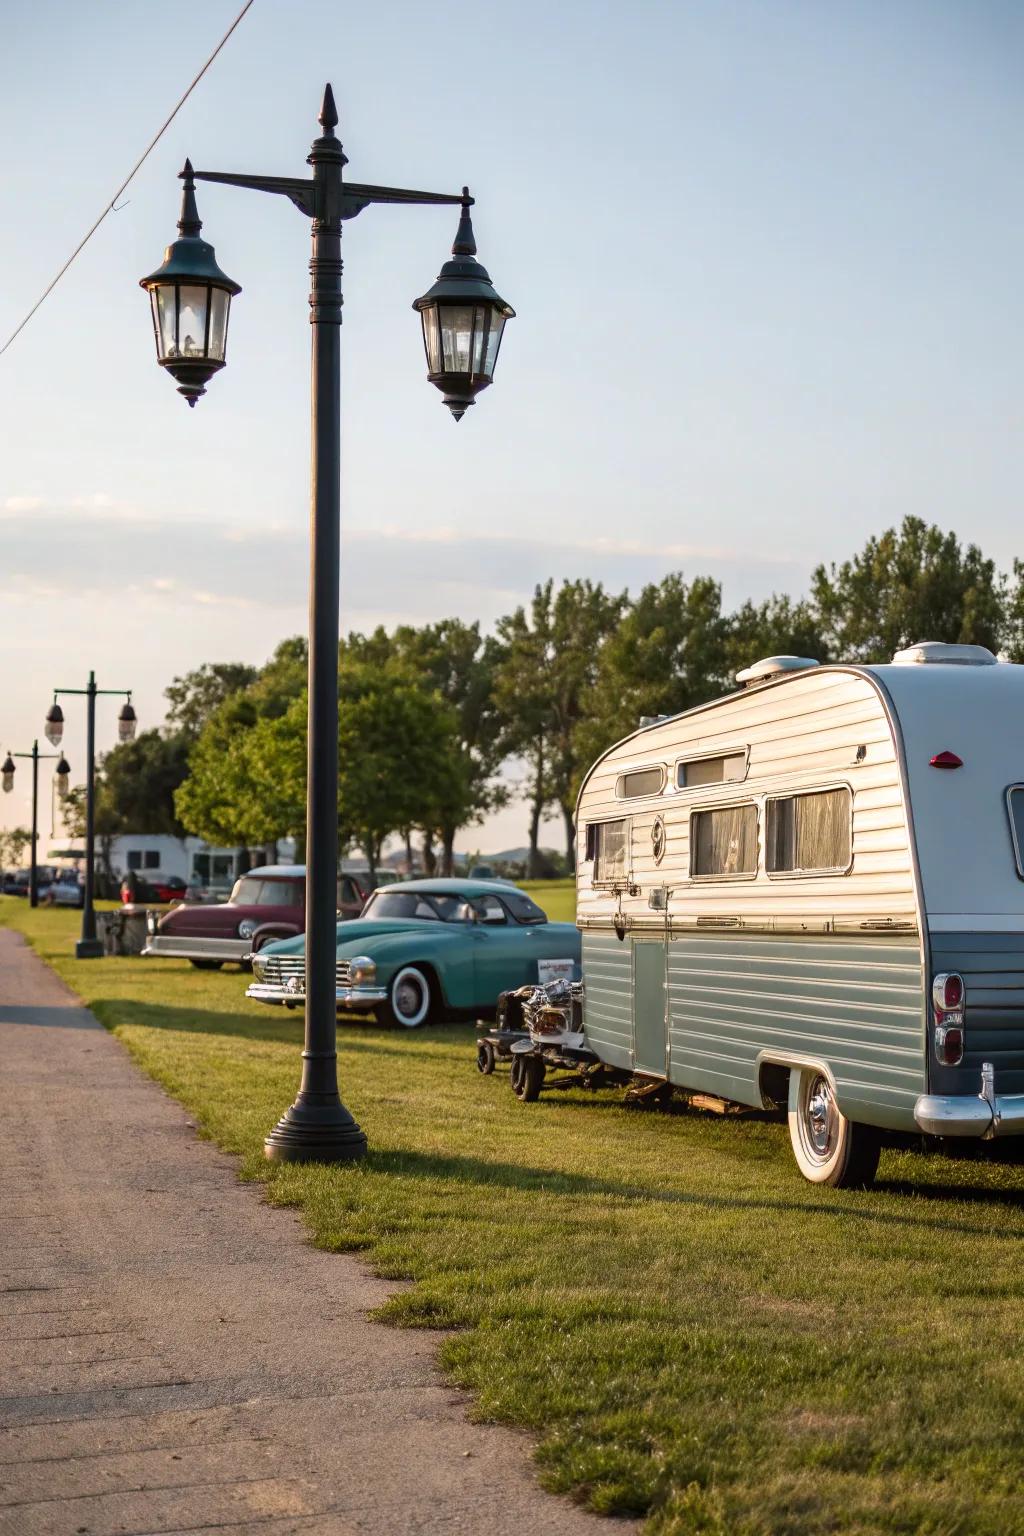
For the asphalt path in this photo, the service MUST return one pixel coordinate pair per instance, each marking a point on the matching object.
(175, 1357)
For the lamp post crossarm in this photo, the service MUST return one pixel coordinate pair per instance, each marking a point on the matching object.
(40, 755)
(96, 692)
(355, 195)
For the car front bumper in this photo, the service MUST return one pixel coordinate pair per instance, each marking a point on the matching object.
(987, 1114)
(354, 998)
(170, 947)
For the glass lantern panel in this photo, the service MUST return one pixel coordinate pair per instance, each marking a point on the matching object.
(480, 315)
(192, 321)
(456, 336)
(219, 300)
(497, 325)
(166, 319)
(431, 338)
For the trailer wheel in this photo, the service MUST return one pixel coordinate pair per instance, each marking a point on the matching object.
(485, 1058)
(527, 1081)
(829, 1148)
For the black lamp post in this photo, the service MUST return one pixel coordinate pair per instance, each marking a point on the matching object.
(7, 779)
(318, 1127)
(89, 946)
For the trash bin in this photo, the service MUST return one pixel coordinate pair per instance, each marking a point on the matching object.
(123, 931)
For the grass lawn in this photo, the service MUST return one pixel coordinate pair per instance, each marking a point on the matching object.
(688, 1329)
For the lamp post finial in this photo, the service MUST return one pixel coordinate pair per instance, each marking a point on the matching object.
(328, 117)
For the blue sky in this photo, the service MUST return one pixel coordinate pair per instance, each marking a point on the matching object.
(766, 259)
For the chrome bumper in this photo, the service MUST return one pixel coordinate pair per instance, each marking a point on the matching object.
(347, 997)
(164, 946)
(988, 1114)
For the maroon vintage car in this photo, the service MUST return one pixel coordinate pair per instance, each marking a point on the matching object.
(265, 904)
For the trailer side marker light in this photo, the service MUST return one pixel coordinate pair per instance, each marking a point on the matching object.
(945, 760)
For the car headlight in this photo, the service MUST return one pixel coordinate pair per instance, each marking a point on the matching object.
(362, 970)
(258, 967)
(246, 928)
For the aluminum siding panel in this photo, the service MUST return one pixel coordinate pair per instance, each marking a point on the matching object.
(992, 965)
(608, 1000)
(855, 1003)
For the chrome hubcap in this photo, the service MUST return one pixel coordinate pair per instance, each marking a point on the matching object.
(820, 1116)
(408, 1000)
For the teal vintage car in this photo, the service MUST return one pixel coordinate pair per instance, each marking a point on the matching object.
(427, 949)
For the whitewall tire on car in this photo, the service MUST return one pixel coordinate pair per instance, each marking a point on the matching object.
(409, 998)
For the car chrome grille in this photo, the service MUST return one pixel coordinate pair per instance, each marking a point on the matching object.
(279, 970)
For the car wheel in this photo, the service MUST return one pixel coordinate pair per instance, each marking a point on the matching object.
(527, 1081)
(485, 1058)
(207, 965)
(829, 1148)
(409, 999)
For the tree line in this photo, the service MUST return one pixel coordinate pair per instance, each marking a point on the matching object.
(431, 715)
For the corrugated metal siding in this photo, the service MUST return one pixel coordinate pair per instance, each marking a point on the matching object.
(801, 734)
(992, 965)
(608, 1001)
(855, 1003)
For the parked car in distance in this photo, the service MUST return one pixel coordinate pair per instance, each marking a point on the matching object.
(16, 881)
(267, 903)
(67, 890)
(426, 949)
(155, 887)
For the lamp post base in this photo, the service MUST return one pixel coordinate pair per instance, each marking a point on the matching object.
(316, 1133)
(89, 949)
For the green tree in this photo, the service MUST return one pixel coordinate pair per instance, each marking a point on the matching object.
(524, 697)
(912, 583)
(13, 843)
(667, 654)
(194, 697)
(777, 627)
(138, 780)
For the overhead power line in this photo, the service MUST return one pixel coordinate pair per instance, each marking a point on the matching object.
(131, 174)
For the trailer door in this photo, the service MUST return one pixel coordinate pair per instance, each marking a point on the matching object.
(649, 1036)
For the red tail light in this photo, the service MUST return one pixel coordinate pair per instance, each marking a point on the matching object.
(948, 1000)
(945, 760)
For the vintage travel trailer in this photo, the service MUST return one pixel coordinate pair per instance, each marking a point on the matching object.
(811, 894)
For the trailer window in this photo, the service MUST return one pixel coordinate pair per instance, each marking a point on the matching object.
(810, 834)
(642, 781)
(723, 842)
(1015, 802)
(727, 769)
(608, 846)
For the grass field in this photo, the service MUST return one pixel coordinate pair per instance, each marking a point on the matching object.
(687, 1328)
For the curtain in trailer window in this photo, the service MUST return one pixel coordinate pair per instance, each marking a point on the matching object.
(809, 832)
(724, 842)
(611, 844)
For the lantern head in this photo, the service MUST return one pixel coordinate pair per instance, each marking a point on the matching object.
(463, 319)
(62, 777)
(54, 727)
(126, 722)
(191, 297)
(7, 774)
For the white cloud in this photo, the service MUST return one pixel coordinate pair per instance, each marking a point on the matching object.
(23, 503)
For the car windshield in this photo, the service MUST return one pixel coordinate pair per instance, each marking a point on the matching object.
(426, 906)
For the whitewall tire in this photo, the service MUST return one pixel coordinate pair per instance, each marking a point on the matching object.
(829, 1148)
(409, 998)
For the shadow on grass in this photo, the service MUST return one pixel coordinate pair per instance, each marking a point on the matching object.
(278, 1026)
(479, 1171)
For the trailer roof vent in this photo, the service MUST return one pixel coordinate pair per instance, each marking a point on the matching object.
(948, 655)
(771, 667)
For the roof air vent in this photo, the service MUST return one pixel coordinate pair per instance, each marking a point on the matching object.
(773, 667)
(948, 655)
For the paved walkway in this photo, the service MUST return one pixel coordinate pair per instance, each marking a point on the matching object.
(175, 1358)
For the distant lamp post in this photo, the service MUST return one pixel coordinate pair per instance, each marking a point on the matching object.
(61, 778)
(463, 319)
(88, 946)
(191, 298)
(127, 720)
(54, 729)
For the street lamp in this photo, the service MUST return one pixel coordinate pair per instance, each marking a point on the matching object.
(463, 319)
(318, 1127)
(88, 946)
(61, 774)
(191, 298)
